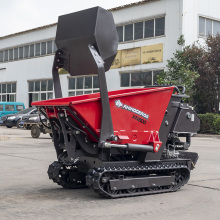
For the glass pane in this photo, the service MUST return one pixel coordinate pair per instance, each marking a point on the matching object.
(49, 85)
(216, 28)
(79, 92)
(88, 82)
(19, 107)
(71, 93)
(11, 54)
(1, 56)
(54, 46)
(88, 92)
(208, 27)
(125, 78)
(9, 108)
(3, 88)
(201, 26)
(71, 83)
(26, 51)
(21, 51)
(128, 32)
(49, 47)
(12, 98)
(95, 82)
(43, 85)
(35, 97)
(43, 48)
(37, 49)
(1, 107)
(13, 87)
(156, 74)
(159, 26)
(0, 88)
(6, 55)
(120, 33)
(32, 50)
(49, 95)
(9, 88)
(0, 98)
(141, 79)
(15, 53)
(138, 30)
(37, 86)
(149, 29)
(4, 98)
(79, 83)
(31, 86)
(43, 96)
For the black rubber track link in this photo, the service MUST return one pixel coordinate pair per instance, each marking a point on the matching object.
(178, 168)
(66, 176)
(189, 155)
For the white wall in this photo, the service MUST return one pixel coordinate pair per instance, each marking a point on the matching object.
(181, 17)
(191, 12)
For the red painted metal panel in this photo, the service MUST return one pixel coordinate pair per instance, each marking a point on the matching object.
(136, 113)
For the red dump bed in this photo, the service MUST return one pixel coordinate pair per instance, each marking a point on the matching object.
(136, 113)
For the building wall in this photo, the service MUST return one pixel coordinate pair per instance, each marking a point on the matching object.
(181, 17)
(190, 17)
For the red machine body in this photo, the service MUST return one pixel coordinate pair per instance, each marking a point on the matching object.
(136, 113)
(120, 143)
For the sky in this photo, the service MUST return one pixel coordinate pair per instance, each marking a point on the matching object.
(21, 15)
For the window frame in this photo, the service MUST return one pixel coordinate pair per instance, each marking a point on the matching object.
(84, 90)
(143, 21)
(136, 72)
(9, 96)
(9, 53)
(205, 26)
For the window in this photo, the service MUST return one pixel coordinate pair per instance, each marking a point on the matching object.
(15, 53)
(1, 107)
(1, 56)
(120, 33)
(208, 27)
(10, 54)
(9, 108)
(83, 85)
(6, 55)
(43, 48)
(21, 53)
(49, 47)
(54, 46)
(140, 30)
(128, 32)
(8, 92)
(26, 51)
(138, 79)
(19, 107)
(159, 26)
(37, 49)
(40, 90)
(33, 50)
(149, 29)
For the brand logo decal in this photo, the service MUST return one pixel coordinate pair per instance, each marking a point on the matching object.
(119, 104)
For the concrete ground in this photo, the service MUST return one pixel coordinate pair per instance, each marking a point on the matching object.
(27, 193)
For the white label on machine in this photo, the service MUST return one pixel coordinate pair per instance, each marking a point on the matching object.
(192, 117)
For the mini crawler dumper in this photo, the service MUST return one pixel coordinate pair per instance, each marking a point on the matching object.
(120, 143)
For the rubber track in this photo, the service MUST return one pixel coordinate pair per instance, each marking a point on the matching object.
(94, 176)
(59, 174)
